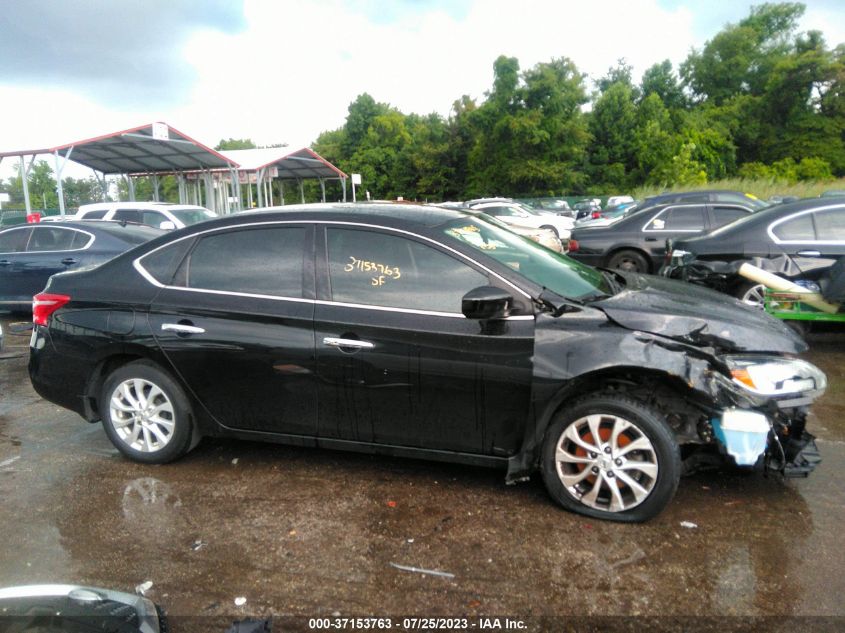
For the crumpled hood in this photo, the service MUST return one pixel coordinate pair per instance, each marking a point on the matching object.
(697, 315)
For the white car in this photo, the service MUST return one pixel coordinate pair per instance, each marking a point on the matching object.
(517, 215)
(161, 215)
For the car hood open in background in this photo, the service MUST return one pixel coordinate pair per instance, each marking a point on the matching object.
(697, 315)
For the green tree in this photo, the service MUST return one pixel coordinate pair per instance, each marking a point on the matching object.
(235, 143)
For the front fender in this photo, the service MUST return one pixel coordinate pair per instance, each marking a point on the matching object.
(573, 352)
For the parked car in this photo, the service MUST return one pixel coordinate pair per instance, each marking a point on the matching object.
(423, 332)
(30, 253)
(161, 215)
(637, 242)
(798, 241)
(519, 215)
(608, 216)
(584, 208)
(833, 193)
(708, 195)
(615, 201)
(56, 608)
(551, 206)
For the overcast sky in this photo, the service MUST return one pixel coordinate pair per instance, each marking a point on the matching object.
(282, 71)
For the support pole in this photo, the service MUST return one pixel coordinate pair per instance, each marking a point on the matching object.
(131, 187)
(183, 195)
(301, 191)
(104, 185)
(209, 192)
(323, 189)
(24, 171)
(270, 190)
(59, 168)
(156, 194)
(259, 185)
(248, 192)
(282, 191)
(343, 183)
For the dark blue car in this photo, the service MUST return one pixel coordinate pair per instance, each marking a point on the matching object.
(31, 253)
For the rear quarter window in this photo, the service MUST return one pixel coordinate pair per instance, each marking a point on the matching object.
(14, 240)
(797, 229)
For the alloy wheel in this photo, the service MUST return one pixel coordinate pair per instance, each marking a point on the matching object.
(142, 415)
(606, 462)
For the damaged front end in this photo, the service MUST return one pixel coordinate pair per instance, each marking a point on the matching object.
(767, 425)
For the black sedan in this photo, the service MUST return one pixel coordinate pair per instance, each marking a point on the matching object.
(637, 243)
(798, 241)
(30, 253)
(424, 332)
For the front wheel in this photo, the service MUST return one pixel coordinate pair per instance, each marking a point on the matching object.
(611, 457)
(146, 414)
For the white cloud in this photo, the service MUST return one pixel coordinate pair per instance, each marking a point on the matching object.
(298, 64)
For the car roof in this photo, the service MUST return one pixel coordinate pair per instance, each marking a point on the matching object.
(416, 214)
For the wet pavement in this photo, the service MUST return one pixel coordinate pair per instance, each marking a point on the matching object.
(312, 532)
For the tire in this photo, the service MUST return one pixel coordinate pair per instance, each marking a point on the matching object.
(150, 439)
(628, 261)
(552, 229)
(583, 480)
(751, 294)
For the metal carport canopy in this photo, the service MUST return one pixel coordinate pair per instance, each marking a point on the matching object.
(268, 163)
(153, 148)
(301, 164)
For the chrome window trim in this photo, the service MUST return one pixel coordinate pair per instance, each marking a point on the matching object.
(63, 250)
(24, 227)
(136, 263)
(669, 208)
(770, 229)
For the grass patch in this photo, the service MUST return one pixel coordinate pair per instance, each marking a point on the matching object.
(763, 189)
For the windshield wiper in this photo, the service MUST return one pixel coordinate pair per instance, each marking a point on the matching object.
(613, 280)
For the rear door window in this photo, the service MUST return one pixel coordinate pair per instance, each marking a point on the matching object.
(725, 214)
(153, 218)
(381, 269)
(95, 215)
(263, 261)
(796, 229)
(830, 225)
(686, 218)
(128, 215)
(45, 239)
(14, 240)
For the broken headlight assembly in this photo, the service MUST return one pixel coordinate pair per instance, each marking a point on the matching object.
(774, 376)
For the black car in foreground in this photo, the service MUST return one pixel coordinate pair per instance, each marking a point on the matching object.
(30, 253)
(637, 242)
(424, 332)
(798, 241)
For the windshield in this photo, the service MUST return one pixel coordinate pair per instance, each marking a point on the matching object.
(536, 263)
(192, 216)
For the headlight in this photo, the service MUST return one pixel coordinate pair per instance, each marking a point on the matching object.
(776, 376)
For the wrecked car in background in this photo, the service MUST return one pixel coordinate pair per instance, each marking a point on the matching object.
(424, 332)
(799, 241)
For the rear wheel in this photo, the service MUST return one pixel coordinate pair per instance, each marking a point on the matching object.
(611, 457)
(628, 261)
(146, 414)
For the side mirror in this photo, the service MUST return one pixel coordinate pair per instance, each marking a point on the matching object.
(485, 303)
(167, 225)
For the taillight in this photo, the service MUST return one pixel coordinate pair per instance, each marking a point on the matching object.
(573, 246)
(44, 304)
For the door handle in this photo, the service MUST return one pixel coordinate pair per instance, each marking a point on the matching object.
(181, 328)
(347, 342)
(5, 262)
(67, 261)
(651, 239)
(809, 253)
